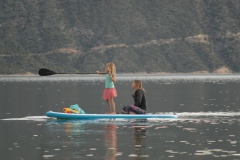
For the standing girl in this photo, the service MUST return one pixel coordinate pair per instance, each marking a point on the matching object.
(110, 92)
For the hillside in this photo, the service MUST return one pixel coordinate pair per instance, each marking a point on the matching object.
(138, 36)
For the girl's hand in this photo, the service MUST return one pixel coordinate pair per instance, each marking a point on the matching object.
(97, 72)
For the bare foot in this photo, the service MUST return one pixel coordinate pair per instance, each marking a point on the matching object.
(112, 113)
(132, 112)
(123, 112)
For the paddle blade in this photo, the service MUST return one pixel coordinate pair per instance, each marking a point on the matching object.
(45, 72)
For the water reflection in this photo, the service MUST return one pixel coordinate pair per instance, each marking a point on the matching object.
(138, 134)
(64, 138)
(110, 139)
(140, 141)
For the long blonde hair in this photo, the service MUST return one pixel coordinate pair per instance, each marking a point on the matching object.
(138, 85)
(112, 67)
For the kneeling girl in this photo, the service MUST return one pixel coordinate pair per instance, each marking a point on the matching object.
(140, 102)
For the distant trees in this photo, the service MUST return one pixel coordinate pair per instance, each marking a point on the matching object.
(146, 36)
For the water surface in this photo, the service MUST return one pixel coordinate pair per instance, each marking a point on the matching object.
(207, 127)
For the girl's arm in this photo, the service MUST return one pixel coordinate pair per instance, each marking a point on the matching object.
(100, 72)
(113, 77)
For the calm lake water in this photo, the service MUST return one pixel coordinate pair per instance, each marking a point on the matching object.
(207, 128)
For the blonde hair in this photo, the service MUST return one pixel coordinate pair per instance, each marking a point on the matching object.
(112, 67)
(138, 85)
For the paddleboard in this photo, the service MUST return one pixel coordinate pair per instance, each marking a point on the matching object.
(61, 115)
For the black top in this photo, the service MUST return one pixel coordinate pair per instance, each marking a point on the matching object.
(140, 99)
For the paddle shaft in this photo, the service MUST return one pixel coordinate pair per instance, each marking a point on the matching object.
(47, 72)
(79, 73)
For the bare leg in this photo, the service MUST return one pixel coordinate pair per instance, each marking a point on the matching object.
(112, 106)
(109, 106)
(123, 112)
(132, 112)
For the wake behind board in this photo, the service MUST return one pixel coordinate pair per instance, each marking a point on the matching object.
(61, 115)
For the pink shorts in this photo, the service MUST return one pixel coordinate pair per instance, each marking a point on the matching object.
(109, 93)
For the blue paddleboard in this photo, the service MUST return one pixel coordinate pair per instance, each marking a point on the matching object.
(61, 115)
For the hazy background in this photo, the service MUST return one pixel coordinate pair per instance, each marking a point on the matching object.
(138, 36)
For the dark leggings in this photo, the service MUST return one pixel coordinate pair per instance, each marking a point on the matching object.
(132, 108)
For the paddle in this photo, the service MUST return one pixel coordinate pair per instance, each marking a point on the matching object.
(47, 72)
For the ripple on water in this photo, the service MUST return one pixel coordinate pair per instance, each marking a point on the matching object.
(48, 156)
